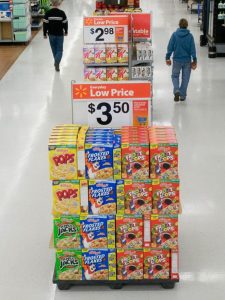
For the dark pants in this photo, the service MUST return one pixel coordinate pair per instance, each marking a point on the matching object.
(56, 42)
(185, 70)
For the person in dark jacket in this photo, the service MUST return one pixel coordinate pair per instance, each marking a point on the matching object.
(55, 25)
(182, 46)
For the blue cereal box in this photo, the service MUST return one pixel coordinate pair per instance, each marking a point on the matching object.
(102, 197)
(97, 232)
(99, 264)
(99, 160)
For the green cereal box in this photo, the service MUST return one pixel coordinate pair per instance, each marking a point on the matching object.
(68, 265)
(120, 197)
(67, 232)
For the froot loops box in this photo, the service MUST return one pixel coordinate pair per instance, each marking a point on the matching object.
(156, 264)
(129, 264)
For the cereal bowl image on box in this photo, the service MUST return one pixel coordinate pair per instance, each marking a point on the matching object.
(156, 264)
(129, 264)
(102, 197)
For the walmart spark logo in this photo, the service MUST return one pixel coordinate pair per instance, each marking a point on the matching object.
(80, 91)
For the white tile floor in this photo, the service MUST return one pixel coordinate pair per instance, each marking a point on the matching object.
(33, 98)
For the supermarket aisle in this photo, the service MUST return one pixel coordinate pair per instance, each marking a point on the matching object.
(33, 98)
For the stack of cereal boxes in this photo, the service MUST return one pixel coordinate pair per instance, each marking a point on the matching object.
(115, 213)
(97, 56)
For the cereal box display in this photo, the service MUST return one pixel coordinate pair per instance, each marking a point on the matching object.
(89, 54)
(135, 152)
(117, 155)
(67, 232)
(99, 264)
(66, 197)
(138, 196)
(68, 265)
(129, 264)
(129, 232)
(100, 74)
(164, 231)
(123, 73)
(62, 151)
(102, 197)
(99, 155)
(97, 232)
(100, 55)
(163, 153)
(122, 53)
(111, 53)
(165, 194)
(111, 73)
(156, 264)
(89, 74)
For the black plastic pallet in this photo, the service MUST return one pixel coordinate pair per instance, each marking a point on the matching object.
(114, 284)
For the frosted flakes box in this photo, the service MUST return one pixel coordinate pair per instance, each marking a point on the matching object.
(129, 232)
(122, 53)
(164, 231)
(68, 265)
(62, 160)
(89, 74)
(99, 161)
(111, 73)
(123, 73)
(138, 196)
(67, 232)
(99, 264)
(111, 53)
(66, 197)
(89, 54)
(100, 74)
(166, 197)
(97, 232)
(100, 55)
(156, 264)
(102, 197)
(129, 264)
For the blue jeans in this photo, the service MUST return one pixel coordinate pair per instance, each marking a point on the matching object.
(186, 72)
(56, 43)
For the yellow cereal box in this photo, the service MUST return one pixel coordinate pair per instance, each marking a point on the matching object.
(66, 197)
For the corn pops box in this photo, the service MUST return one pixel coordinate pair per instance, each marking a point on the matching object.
(99, 264)
(100, 74)
(100, 55)
(165, 195)
(129, 264)
(156, 264)
(99, 161)
(164, 232)
(122, 53)
(129, 232)
(111, 74)
(123, 73)
(67, 232)
(89, 54)
(62, 160)
(138, 196)
(111, 53)
(66, 197)
(102, 197)
(97, 232)
(89, 74)
(68, 265)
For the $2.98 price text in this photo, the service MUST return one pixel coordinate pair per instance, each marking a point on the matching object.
(105, 111)
(100, 32)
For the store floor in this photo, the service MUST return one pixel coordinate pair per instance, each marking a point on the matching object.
(33, 98)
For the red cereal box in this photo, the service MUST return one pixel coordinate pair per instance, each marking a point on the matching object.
(129, 232)
(164, 232)
(156, 263)
(129, 264)
(138, 196)
(165, 196)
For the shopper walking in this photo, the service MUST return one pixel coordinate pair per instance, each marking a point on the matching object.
(182, 46)
(55, 25)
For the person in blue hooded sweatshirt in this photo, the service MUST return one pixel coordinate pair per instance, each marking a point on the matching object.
(182, 46)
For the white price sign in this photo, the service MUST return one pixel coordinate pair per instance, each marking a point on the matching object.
(109, 113)
(106, 29)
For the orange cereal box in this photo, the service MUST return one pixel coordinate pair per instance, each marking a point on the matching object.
(129, 264)
(156, 264)
(122, 53)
